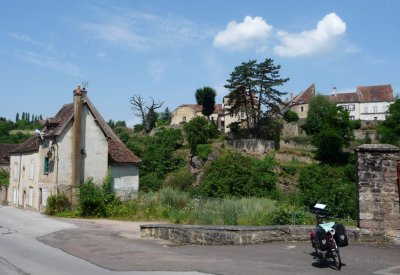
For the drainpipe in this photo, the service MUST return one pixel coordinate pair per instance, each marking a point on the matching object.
(57, 171)
(76, 151)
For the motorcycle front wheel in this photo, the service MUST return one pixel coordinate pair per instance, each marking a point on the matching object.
(336, 259)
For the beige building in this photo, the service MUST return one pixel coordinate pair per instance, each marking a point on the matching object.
(186, 112)
(75, 145)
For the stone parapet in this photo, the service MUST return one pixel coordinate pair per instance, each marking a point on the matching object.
(232, 235)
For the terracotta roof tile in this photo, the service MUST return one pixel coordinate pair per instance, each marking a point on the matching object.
(32, 144)
(197, 108)
(4, 152)
(375, 93)
(345, 97)
(304, 97)
(119, 153)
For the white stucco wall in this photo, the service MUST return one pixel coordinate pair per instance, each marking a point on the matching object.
(125, 179)
(180, 113)
(373, 110)
(94, 161)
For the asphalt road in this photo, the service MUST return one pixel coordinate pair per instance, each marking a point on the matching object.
(31, 243)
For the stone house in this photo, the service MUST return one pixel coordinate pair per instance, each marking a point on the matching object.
(185, 112)
(75, 145)
(367, 103)
(4, 155)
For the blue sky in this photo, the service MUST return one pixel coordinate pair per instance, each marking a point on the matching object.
(168, 49)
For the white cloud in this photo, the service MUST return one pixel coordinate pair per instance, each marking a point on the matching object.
(117, 34)
(251, 33)
(49, 62)
(319, 40)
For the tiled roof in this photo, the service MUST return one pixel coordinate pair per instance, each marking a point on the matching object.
(32, 144)
(375, 93)
(4, 150)
(304, 97)
(345, 97)
(119, 153)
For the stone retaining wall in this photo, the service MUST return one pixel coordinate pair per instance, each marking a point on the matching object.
(229, 235)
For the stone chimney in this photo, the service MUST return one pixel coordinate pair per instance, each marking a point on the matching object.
(334, 91)
(76, 151)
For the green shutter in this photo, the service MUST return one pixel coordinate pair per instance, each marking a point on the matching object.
(46, 165)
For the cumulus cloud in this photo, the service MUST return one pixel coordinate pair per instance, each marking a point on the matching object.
(319, 40)
(251, 33)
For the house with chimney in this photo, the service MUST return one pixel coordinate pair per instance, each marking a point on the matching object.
(186, 112)
(75, 145)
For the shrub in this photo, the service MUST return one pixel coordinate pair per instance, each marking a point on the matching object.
(126, 210)
(91, 200)
(203, 150)
(150, 182)
(233, 174)
(333, 186)
(57, 204)
(181, 179)
(198, 131)
(4, 177)
(173, 199)
(290, 116)
(108, 189)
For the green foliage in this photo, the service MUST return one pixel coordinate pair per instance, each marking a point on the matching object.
(290, 116)
(173, 198)
(206, 98)
(330, 127)
(150, 182)
(203, 150)
(234, 174)
(389, 130)
(108, 188)
(57, 204)
(4, 177)
(198, 131)
(126, 210)
(91, 200)
(180, 179)
(333, 186)
(252, 89)
(367, 139)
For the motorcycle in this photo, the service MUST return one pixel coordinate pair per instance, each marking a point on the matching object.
(326, 237)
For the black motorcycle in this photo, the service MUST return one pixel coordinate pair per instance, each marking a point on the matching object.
(327, 237)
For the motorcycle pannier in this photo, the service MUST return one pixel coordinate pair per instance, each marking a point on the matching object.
(322, 240)
(340, 235)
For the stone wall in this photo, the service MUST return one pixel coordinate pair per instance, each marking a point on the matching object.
(257, 146)
(229, 235)
(378, 194)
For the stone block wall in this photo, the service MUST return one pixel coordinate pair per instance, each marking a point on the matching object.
(378, 193)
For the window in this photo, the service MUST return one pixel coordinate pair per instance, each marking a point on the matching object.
(30, 196)
(184, 119)
(46, 166)
(365, 109)
(352, 107)
(15, 195)
(31, 170)
(375, 118)
(242, 114)
(16, 171)
(302, 109)
(352, 117)
(375, 109)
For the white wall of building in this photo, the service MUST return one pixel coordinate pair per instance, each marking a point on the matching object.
(126, 178)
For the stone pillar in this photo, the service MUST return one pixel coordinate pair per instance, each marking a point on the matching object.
(378, 193)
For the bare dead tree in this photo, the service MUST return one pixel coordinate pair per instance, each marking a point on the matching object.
(147, 113)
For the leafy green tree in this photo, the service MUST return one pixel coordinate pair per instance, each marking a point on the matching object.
(198, 131)
(389, 129)
(234, 174)
(252, 90)
(330, 127)
(206, 98)
(290, 116)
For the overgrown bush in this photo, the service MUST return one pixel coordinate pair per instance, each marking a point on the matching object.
(290, 116)
(150, 182)
(56, 204)
(198, 131)
(333, 186)
(180, 179)
(91, 200)
(203, 150)
(234, 174)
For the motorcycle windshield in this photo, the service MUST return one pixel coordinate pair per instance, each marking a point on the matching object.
(327, 226)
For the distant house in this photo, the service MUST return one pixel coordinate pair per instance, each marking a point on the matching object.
(186, 112)
(75, 145)
(4, 155)
(367, 103)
